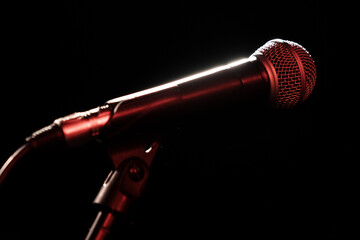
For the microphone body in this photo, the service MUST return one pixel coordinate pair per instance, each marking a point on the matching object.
(238, 81)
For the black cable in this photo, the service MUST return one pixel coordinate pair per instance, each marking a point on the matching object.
(13, 160)
(49, 137)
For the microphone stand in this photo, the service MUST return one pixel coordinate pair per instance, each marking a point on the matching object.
(131, 159)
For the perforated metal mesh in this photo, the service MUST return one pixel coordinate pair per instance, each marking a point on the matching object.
(295, 70)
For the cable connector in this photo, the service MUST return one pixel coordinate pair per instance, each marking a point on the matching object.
(48, 137)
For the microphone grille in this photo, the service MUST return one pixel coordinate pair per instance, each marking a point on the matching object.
(295, 72)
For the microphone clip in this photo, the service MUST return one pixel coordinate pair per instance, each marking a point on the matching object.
(132, 158)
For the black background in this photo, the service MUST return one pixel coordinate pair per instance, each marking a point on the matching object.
(256, 173)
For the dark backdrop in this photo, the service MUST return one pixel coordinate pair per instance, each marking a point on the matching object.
(252, 173)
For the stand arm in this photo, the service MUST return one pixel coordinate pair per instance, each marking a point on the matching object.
(101, 227)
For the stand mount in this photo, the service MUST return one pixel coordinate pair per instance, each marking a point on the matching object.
(132, 160)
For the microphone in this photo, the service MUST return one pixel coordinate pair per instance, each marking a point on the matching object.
(281, 73)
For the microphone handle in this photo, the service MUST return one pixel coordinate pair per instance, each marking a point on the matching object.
(239, 81)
